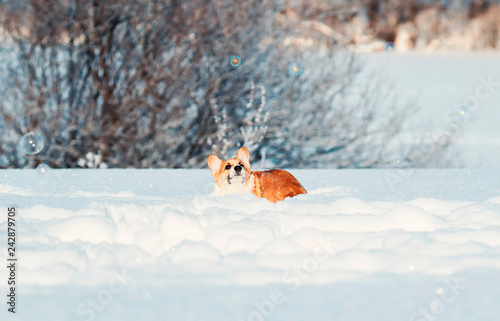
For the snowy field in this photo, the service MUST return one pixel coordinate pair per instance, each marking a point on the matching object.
(388, 245)
(444, 84)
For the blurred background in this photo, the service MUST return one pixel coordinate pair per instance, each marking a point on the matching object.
(152, 84)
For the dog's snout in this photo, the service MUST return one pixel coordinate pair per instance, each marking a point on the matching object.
(238, 168)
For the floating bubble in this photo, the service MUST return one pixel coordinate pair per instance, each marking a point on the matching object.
(390, 46)
(398, 162)
(295, 69)
(439, 290)
(235, 61)
(32, 143)
(411, 267)
(463, 111)
(43, 169)
(436, 305)
(138, 260)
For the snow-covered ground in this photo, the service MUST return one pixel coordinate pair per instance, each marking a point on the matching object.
(156, 245)
(442, 83)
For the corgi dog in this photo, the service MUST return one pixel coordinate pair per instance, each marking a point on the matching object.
(235, 176)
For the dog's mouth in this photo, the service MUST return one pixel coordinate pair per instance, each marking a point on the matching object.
(236, 178)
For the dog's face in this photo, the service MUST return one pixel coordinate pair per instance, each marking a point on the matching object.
(233, 173)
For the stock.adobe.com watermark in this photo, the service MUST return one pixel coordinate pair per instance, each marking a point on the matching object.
(293, 277)
(454, 118)
(117, 284)
(446, 295)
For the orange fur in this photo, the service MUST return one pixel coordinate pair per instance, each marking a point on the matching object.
(274, 185)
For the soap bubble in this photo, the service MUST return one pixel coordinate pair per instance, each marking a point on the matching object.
(295, 69)
(398, 162)
(43, 169)
(463, 111)
(390, 46)
(32, 143)
(235, 61)
(436, 305)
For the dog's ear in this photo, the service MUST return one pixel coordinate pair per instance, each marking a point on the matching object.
(244, 156)
(214, 163)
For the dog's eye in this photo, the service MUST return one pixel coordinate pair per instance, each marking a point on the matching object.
(228, 166)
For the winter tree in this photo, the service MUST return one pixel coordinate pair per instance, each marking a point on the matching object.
(148, 83)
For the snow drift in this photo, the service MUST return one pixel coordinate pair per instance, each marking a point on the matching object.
(155, 244)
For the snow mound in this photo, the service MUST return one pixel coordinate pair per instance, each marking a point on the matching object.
(170, 232)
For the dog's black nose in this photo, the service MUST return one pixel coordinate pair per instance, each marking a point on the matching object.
(237, 168)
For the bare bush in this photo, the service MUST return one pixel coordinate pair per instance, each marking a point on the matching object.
(147, 83)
